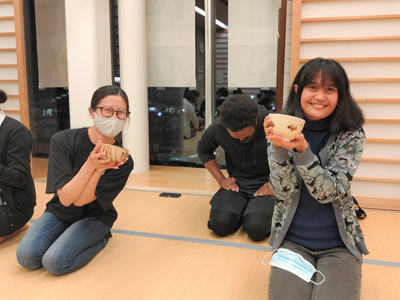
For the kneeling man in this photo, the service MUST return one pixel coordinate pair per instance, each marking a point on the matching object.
(244, 198)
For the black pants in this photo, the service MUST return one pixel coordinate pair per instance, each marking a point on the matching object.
(12, 220)
(229, 210)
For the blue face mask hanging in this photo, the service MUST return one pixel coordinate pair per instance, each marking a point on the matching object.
(294, 263)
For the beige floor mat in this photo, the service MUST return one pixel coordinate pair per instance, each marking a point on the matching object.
(199, 266)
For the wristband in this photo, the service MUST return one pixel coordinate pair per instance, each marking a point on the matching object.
(102, 173)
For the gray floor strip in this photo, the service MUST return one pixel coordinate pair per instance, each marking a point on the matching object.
(228, 244)
(234, 245)
(381, 263)
(192, 240)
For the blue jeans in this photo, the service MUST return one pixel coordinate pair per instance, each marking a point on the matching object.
(59, 247)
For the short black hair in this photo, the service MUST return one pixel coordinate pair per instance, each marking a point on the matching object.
(347, 115)
(238, 113)
(269, 92)
(189, 95)
(238, 91)
(195, 93)
(223, 91)
(3, 96)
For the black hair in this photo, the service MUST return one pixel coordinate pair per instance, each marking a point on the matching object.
(238, 91)
(347, 115)
(195, 93)
(223, 91)
(269, 92)
(105, 91)
(238, 113)
(189, 95)
(3, 96)
(267, 100)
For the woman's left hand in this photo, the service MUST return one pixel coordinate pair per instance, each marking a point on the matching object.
(299, 143)
(112, 165)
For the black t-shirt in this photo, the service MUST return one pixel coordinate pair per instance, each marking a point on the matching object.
(69, 150)
(16, 183)
(246, 162)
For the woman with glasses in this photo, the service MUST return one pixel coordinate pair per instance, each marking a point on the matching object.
(77, 221)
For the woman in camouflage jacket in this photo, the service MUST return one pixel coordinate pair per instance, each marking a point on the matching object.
(314, 215)
(329, 184)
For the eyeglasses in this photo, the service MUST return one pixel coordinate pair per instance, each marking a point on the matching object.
(108, 112)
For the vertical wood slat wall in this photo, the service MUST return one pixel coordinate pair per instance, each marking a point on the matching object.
(12, 60)
(364, 37)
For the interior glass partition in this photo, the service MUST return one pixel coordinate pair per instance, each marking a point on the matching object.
(169, 143)
(170, 110)
(46, 72)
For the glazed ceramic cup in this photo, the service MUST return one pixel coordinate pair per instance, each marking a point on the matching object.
(286, 126)
(113, 153)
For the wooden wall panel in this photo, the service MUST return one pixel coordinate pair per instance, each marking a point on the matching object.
(12, 60)
(364, 36)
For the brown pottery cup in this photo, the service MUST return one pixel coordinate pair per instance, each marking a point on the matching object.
(114, 153)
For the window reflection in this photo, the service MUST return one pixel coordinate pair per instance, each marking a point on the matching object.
(168, 114)
(173, 130)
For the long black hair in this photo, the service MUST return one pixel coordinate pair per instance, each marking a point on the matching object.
(347, 115)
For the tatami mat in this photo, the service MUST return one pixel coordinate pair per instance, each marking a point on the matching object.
(148, 212)
(172, 179)
(193, 224)
(20, 283)
(380, 283)
(382, 235)
(162, 249)
(179, 270)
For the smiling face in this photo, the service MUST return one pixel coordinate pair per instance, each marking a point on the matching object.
(318, 101)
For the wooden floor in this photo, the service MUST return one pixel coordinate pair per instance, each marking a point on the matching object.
(162, 249)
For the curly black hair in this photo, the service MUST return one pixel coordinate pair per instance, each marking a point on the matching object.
(238, 113)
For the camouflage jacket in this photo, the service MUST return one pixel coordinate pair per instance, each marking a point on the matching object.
(328, 182)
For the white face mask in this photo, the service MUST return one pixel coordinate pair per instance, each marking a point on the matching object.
(109, 127)
(294, 263)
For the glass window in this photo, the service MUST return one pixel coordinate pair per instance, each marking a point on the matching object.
(46, 72)
(177, 114)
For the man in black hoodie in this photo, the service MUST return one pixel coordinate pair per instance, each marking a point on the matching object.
(245, 196)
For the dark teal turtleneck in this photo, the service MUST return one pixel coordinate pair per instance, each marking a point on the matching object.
(314, 225)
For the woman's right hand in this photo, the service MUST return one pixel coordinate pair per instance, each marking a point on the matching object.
(268, 133)
(96, 162)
